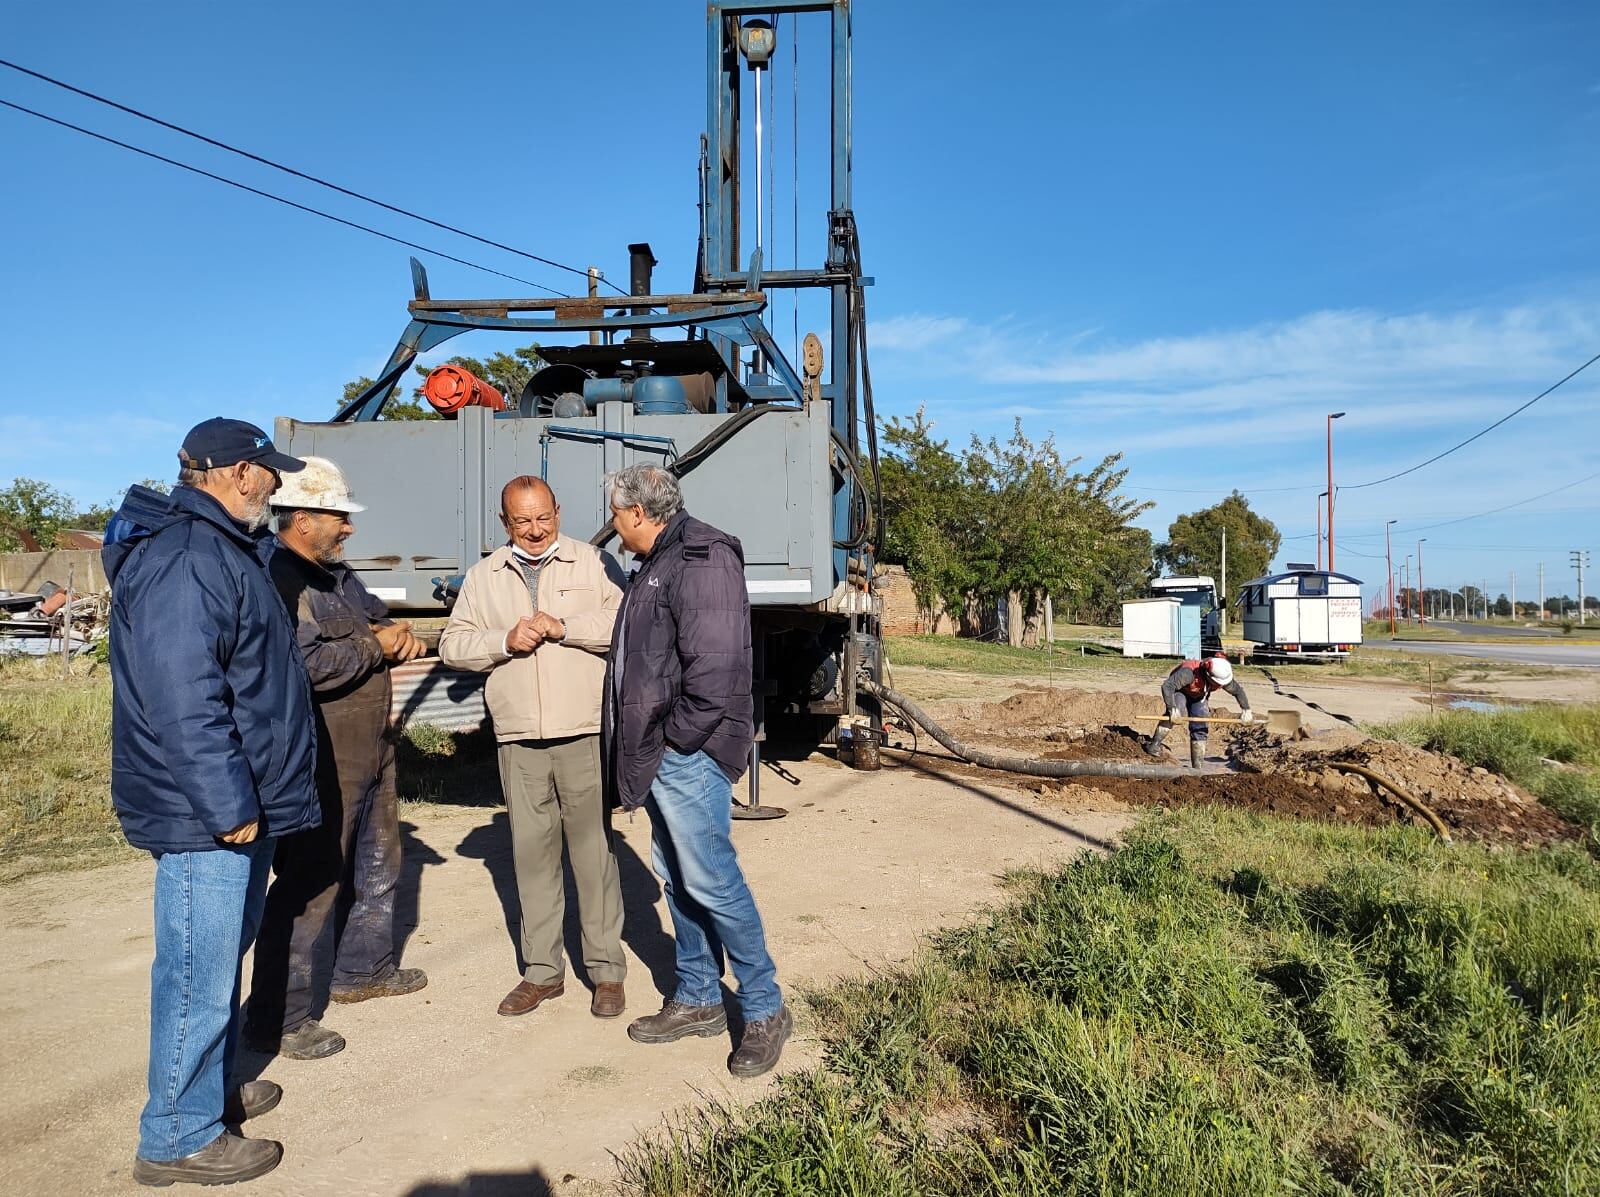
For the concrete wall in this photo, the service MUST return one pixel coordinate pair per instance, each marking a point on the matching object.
(24, 572)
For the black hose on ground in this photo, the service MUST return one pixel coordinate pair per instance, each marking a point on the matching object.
(1414, 803)
(1009, 763)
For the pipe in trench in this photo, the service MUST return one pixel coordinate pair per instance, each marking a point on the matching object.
(1011, 763)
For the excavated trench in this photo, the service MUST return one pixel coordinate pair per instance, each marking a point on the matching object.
(1250, 769)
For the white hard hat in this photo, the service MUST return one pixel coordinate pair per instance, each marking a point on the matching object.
(321, 486)
(1221, 671)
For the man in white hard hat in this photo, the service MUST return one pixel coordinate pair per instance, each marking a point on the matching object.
(348, 641)
(1187, 691)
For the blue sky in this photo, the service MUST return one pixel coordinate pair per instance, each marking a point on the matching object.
(1180, 231)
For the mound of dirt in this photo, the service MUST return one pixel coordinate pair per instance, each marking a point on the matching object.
(1286, 777)
(1067, 715)
(1474, 802)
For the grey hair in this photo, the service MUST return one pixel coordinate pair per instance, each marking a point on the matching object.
(192, 473)
(646, 486)
(284, 518)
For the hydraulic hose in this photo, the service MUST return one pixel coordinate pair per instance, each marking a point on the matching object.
(1010, 763)
(1416, 804)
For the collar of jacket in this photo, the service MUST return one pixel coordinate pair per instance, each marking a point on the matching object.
(504, 558)
(202, 506)
(325, 575)
(669, 536)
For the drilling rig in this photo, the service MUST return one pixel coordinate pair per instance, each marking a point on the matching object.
(781, 453)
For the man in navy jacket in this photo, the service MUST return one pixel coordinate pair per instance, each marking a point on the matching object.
(213, 757)
(678, 725)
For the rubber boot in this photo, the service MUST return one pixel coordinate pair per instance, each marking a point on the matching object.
(1197, 754)
(1153, 744)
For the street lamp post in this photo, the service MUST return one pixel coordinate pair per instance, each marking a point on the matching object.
(1405, 584)
(1388, 552)
(1332, 416)
(1422, 601)
(1320, 497)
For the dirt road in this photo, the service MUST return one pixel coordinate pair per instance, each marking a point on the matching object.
(436, 1094)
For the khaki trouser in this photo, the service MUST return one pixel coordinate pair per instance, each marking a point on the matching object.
(553, 787)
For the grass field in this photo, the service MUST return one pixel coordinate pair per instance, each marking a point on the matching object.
(1227, 1005)
(999, 660)
(55, 769)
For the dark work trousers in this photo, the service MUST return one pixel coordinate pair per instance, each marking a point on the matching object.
(352, 859)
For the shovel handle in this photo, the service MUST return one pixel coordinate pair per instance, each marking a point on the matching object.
(1191, 719)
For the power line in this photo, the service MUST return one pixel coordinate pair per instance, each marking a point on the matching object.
(1475, 435)
(300, 174)
(438, 253)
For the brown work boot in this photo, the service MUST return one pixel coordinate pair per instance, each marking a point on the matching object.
(226, 1160)
(528, 997)
(677, 1020)
(308, 1041)
(250, 1100)
(609, 1000)
(398, 981)
(761, 1044)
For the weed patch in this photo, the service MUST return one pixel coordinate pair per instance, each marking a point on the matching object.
(1228, 1004)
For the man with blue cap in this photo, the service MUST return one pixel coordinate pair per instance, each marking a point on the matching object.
(212, 759)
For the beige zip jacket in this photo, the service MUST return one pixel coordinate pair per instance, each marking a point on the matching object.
(555, 690)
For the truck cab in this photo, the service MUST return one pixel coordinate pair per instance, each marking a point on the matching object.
(1196, 591)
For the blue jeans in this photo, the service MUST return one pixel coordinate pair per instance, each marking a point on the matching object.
(713, 913)
(207, 908)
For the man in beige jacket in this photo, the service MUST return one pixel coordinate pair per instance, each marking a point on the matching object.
(537, 615)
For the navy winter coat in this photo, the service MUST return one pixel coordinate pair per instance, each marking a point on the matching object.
(679, 668)
(211, 716)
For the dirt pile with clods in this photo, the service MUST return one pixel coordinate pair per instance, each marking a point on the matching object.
(1251, 768)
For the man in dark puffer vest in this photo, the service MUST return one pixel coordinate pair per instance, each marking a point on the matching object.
(678, 725)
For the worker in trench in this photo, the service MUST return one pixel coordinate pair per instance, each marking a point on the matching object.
(1187, 692)
(304, 957)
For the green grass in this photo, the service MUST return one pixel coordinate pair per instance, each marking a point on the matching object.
(55, 769)
(1520, 745)
(1227, 1005)
(999, 660)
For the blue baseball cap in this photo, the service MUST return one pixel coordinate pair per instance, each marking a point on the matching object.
(222, 442)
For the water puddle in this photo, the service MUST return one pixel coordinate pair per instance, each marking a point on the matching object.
(1482, 705)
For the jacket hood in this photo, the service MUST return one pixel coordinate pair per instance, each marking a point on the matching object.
(694, 534)
(144, 512)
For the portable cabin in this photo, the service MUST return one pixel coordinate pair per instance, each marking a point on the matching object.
(1304, 614)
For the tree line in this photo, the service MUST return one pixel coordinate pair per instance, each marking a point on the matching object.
(988, 532)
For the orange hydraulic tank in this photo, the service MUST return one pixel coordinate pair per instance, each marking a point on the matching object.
(450, 388)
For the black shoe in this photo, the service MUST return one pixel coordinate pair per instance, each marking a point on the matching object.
(677, 1020)
(762, 1044)
(251, 1100)
(226, 1160)
(308, 1041)
(399, 981)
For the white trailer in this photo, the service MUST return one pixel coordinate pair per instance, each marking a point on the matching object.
(1305, 614)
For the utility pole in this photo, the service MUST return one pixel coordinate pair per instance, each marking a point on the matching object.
(1223, 620)
(1580, 558)
(594, 292)
(1332, 416)
(1422, 591)
(1541, 592)
(1486, 600)
(1388, 553)
(1513, 594)
(1320, 497)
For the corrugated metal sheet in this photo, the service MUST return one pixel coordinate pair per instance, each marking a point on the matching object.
(427, 691)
